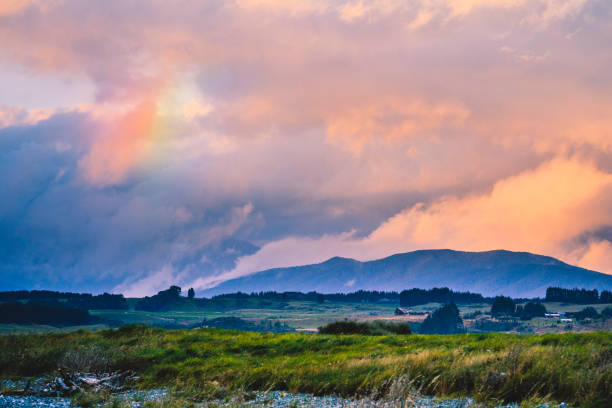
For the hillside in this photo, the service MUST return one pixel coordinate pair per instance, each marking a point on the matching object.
(517, 274)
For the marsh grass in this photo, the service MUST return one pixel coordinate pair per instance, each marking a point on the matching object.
(210, 364)
(90, 399)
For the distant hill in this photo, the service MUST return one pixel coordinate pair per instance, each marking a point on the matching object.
(516, 274)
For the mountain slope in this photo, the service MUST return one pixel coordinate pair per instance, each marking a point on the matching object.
(518, 274)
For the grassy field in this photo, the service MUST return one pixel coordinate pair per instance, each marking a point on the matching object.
(206, 363)
(297, 314)
(308, 315)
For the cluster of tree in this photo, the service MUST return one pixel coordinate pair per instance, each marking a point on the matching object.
(503, 306)
(375, 328)
(51, 314)
(445, 320)
(235, 323)
(506, 307)
(103, 301)
(577, 296)
(361, 296)
(413, 297)
(530, 310)
(76, 300)
(590, 313)
(164, 300)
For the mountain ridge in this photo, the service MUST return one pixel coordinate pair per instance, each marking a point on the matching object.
(495, 272)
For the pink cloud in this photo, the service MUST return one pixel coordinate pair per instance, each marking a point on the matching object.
(540, 210)
(485, 111)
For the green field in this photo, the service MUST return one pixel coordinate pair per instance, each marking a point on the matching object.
(311, 315)
(208, 363)
(306, 315)
(297, 314)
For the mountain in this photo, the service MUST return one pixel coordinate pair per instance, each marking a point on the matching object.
(516, 274)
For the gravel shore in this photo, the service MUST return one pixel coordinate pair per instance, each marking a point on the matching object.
(274, 399)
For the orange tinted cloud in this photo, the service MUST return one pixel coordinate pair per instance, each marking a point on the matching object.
(595, 255)
(392, 120)
(8, 7)
(13, 116)
(494, 114)
(540, 210)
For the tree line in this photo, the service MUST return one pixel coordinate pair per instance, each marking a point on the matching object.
(50, 314)
(413, 297)
(360, 296)
(506, 307)
(577, 296)
(85, 301)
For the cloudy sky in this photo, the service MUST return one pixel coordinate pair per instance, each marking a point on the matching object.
(149, 143)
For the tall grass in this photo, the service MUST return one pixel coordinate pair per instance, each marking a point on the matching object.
(493, 367)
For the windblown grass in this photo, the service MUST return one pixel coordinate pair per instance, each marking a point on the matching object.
(494, 367)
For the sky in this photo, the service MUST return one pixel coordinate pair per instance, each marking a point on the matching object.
(159, 142)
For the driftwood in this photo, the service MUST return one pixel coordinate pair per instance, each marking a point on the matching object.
(66, 384)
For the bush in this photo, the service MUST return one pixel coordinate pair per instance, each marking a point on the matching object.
(586, 313)
(90, 358)
(375, 328)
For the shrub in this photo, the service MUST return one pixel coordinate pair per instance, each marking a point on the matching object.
(375, 328)
(85, 359)
(586, 313)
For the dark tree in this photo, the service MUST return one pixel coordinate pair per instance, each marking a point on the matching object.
(586, 313)
(163, 301)
(445, 320)
(191, 293)
(77, 300)
(503, 306)
(375, 328)
(52, 314)
(577, 296)
(605, 296)
(531, 310)
(417, 296)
